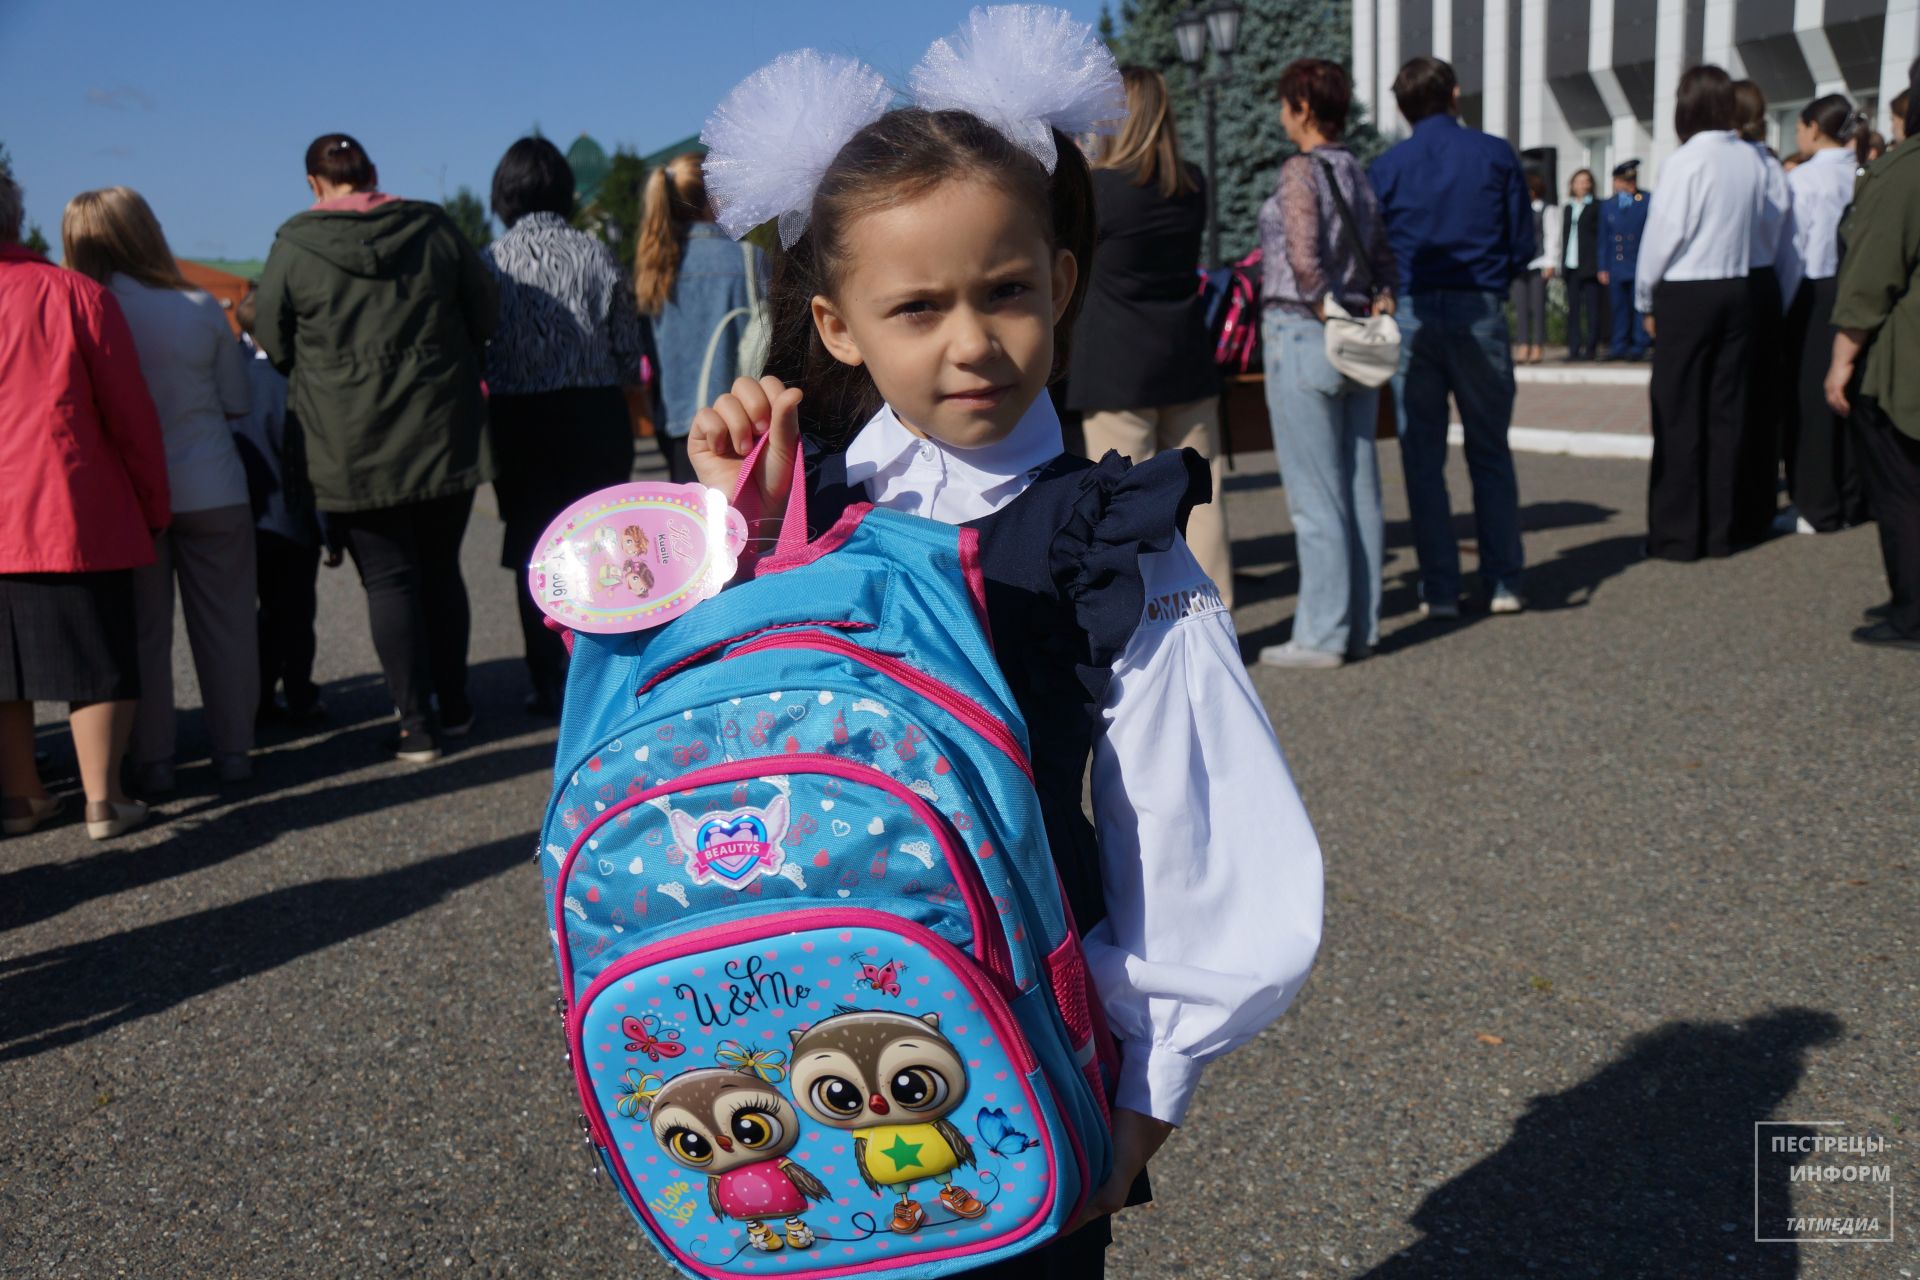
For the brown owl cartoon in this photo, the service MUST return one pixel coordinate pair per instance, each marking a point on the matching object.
(736, 1129)
(892, 1079)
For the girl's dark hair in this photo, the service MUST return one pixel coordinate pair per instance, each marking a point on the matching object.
(1704, 102)
(338, 159)
(1536, 184)
(898, 158)
(533, 177)
(1750, 111)
(1322, 88)
(1593, 185)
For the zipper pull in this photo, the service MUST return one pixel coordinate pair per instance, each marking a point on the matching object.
(560, 1007)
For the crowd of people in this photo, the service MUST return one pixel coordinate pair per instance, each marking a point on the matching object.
(388, 369)
(1767, 295)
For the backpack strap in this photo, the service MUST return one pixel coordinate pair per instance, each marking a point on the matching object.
(713, 345)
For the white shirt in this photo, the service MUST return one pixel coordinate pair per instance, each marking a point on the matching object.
(1769, 225)
(1548, 216)
(197, 376)
(1209, 866)
(1822, 190)
(1700, 219)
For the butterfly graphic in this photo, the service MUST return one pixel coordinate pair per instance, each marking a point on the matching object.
(768, 1064)
(999, 1134)
(643, 1037)
(884, 978)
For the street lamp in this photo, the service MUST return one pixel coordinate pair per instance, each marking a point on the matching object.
(1217, 25)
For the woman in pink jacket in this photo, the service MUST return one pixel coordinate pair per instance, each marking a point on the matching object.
(83, 490)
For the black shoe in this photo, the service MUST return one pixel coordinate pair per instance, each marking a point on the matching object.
(1887, 635)
(1608, 358)
(412, 748)
(1879, 612)
(457, 722)
(1572, 358)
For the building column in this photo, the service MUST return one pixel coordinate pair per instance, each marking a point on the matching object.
(1717, 39)
(1898, 48)
(1366, 81)
(1533, 73)
(1386, 41)
(1443, 30)
(1810, 33)
(1493, 74)
(1669, 55)
(1629, 138)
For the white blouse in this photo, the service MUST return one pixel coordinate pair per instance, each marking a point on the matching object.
(1700, 218)
(1769, 225)
(1822, 190)
(1209, 865)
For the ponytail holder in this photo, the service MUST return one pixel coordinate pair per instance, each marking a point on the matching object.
(770, 141)
(1026, 70)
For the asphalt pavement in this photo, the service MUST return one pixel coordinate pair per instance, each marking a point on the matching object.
(1610, 884)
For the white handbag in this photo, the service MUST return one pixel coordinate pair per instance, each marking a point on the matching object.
(1365, 350)
(750, 356)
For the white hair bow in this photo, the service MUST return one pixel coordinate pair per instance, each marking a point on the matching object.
(1025, 69)
(771, 139)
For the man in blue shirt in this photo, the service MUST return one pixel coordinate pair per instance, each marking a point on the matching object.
(1622, 220)
(1461, 225)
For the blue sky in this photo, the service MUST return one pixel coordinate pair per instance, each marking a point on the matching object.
(206, 107)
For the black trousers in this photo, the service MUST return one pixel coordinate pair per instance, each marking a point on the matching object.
(1584, 295)
(551, 448)
(674, 450)
(409, 563)
(1822, 474)
(286, 571)
(1699, 394)
(1890, 461)
(1770, 389)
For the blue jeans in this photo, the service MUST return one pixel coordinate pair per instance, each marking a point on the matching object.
(1323, 428)
(1455, 341)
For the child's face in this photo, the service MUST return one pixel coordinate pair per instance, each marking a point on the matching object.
(950, 302)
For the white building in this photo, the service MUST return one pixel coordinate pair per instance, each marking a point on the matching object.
(1592, 81)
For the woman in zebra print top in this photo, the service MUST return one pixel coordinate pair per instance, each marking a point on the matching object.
(570, 340)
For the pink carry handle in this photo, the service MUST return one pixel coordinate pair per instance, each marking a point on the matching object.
(746, 500)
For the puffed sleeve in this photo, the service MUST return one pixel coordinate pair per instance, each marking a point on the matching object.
(1208, 865)
(1120, 512)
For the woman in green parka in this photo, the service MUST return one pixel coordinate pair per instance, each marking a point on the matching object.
(378, 309)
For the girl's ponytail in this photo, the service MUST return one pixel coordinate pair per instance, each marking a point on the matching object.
(675, 196)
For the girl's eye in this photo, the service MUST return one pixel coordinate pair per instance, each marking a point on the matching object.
(916, 308)
(1005, 292)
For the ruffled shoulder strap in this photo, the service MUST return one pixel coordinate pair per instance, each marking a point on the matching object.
(1120, 512)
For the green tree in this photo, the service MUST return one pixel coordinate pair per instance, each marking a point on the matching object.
(1249, 141)
(470, 215)
(613, 215)
(36, 241)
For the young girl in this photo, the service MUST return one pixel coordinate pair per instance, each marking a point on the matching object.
(692, 282)
(933, 264)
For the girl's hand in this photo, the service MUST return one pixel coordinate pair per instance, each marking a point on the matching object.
(725, 434)
(1839, 375)
(1135, 1138)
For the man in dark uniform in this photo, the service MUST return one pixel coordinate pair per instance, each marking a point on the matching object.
(1622, 218)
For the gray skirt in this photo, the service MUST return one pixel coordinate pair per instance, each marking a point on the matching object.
(68, 637)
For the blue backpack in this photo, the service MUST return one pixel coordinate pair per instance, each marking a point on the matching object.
(825, 1005)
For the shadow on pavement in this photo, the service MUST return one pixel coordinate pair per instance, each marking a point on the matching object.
(1566, 581)
(44, 890)
(72, 993)
(1646, 1169)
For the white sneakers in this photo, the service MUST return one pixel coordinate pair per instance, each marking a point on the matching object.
(1505, 600)
(1300, 658)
